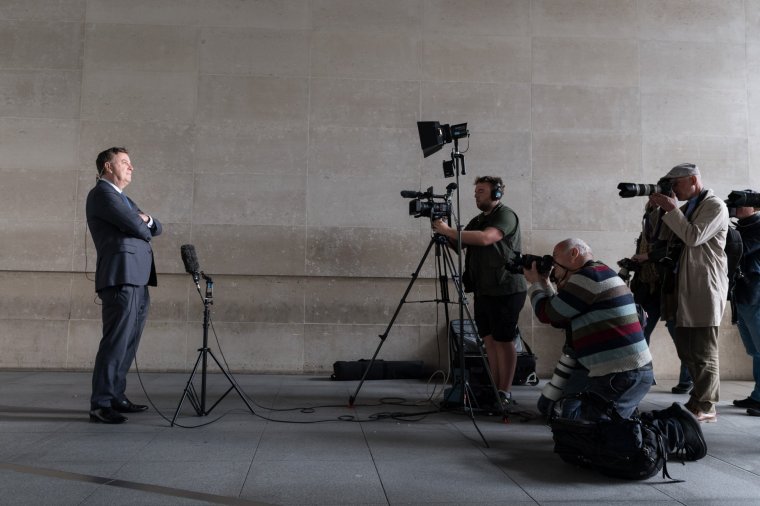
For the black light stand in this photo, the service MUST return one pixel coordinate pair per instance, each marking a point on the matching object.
(199, 401)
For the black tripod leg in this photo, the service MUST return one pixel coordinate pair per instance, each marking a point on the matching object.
(467, 396)
(415, 274)
(188, 389)
(232, 386)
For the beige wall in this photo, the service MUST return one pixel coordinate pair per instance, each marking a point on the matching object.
(276, 136)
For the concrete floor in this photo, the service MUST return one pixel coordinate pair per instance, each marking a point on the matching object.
(328, 453)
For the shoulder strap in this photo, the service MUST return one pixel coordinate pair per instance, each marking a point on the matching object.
(702, 196)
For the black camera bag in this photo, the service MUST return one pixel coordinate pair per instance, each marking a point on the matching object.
(346, 370)
(525, 371)
(627, 448)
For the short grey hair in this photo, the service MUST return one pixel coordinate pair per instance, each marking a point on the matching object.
(583, 248)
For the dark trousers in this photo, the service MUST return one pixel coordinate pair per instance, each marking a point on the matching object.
(652, 307)
(124, 312)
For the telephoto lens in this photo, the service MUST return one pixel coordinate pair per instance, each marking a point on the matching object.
(553, 390)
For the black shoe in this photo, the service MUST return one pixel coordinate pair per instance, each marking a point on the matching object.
(753, 412)
(693, 446)
(682, 388)
(106, 415)
(749, 402)
(126, 406)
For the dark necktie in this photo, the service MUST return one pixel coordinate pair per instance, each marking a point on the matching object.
(126, 201)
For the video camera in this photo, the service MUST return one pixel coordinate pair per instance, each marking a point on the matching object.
(424, 204)
(520, 262)
(628, 190)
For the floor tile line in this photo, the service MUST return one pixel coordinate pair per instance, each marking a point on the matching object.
(144, 487)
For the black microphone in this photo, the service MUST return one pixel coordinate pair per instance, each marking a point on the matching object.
(410, 194)
(190, 259)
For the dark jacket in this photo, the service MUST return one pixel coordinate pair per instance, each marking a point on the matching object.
(122, 239)
(485, 266)
(747, 289)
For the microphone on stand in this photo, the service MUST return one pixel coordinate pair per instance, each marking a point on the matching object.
(190, 259)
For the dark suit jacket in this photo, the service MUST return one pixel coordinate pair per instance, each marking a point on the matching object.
(122, 239)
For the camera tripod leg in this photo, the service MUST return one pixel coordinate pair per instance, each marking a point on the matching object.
(384, 335)
(467, 403)
(481, 349)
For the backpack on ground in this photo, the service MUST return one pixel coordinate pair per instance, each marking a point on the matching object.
(627, 448)
(525, 369)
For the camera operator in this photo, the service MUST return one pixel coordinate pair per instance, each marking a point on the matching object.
(747, 299)
(696, 237)
(491, 239)
(647, 284)
(605, 332)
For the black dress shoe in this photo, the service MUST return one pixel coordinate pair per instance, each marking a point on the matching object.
(106, 415)
(126, 406)
(749, 402)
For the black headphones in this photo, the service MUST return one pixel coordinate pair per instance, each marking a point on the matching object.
(497, 191)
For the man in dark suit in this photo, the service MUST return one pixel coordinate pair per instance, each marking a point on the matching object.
(122, 235)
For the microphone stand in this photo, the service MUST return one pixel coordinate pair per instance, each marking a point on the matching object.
(199, 402)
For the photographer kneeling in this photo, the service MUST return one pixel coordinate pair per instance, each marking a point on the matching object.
(606, 336)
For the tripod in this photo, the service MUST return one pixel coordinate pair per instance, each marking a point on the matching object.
(199, 402)
(444, 265)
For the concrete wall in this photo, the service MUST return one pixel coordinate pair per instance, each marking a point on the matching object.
(276, 136)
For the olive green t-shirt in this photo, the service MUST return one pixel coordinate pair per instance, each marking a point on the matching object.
(485, 265)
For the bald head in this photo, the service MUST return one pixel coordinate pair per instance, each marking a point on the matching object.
(573, 253)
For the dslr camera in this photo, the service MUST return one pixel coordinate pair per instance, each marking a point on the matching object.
(520, 262)
(425, 204)
(627, 266)
(743, 198)
(628, 190)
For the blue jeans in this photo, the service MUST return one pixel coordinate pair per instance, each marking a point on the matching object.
(576, 383)
(653, 318)
(748, 322)
(626, 389)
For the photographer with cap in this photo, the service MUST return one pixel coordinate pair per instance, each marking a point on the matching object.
(747, 299)
(491, 239)
(696, 285)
